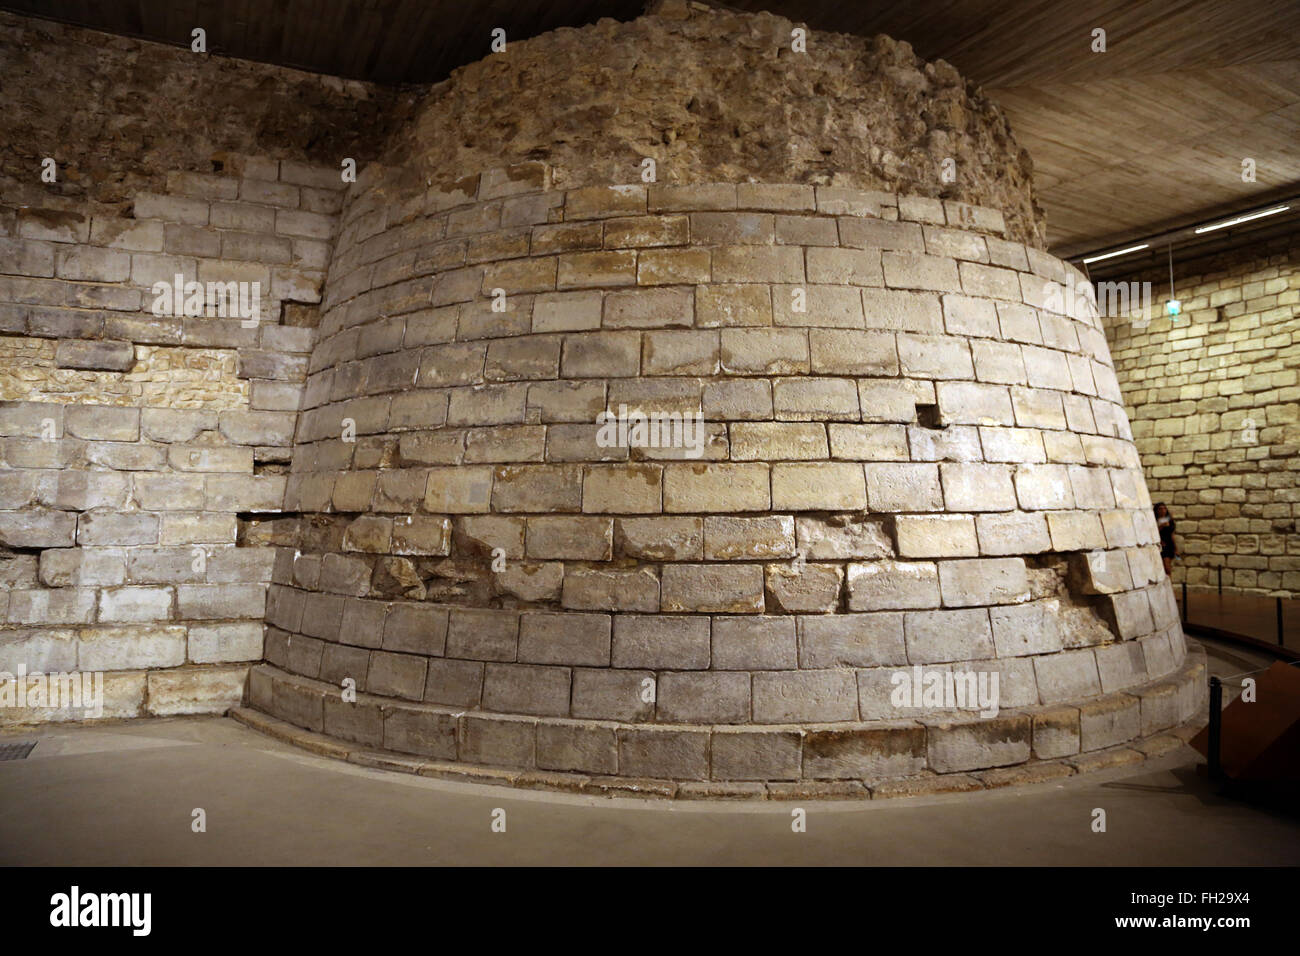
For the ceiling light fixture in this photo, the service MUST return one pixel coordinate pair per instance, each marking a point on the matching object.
(1173, 306)
(1121, 252)
(1241, 219)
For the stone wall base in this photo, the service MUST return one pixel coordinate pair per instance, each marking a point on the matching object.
(863, 759)
(159, 693)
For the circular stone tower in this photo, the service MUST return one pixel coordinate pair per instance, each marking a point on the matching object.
(788, 463)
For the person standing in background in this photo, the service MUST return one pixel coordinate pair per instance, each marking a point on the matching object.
(1168, 547)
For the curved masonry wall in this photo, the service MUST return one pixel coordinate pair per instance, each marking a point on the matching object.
(929, 466)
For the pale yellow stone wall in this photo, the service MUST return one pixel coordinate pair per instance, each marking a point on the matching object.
(1214, 400)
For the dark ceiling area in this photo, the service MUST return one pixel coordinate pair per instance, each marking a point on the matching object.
(1144, 138)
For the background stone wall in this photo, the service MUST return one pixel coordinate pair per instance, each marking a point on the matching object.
(142, 456)
(1214, 400)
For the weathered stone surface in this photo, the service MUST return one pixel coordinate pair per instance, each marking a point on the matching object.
(896, 750)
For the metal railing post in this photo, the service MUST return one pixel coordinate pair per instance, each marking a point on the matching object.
(1216, 728)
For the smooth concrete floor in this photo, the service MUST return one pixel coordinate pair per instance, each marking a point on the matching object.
(123, 794)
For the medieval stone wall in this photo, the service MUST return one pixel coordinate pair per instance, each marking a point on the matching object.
(911, 455)
(143, 455)
(1214, 398)
(924, 467)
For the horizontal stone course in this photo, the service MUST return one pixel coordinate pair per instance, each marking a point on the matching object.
(875, 752)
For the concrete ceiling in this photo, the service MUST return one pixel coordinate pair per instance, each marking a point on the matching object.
(1144, 138)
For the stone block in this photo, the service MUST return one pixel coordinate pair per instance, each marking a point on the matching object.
(815, 399)
(703, 697)
(754, 643)
(135, 604)
(1108, 722)
(604, 694)
(764, 351)
(1031, 628)
(103, 356)
(498, 740)
(128, 648)
(893, 488)
(208, 690)
(745, 754)
(994, 742)
(720, 589)
(893, 585)
(82, 567)
(934, 637)
(37, 529)
(742, 228)
(413, 731)
(454, 683)
(936, 536)
(983, 581)
(662, 753)
(851, 535)
(804, 696)
(1069, 675)
(565, 638)
(854, 267)
(396, 675)
(526, 689)
(898, 750)
(660, 538)
(463, 490)
(128, 528)
(52, 606)
(601, 354)
(1055, 732)
(680, 353)
(415, 629)
(862, 233)
(1121, 666)
(1129, 614)
(851, 640)
(751, 263)
(973, 486)
(823, 486)
(102, 422)
(853, 352)
(622, 489)
(720, 305)
(657, 642)
(570, 746)
(809, 588)
(727, 538)
(910, 270)
(716, 488)
(588, 589)
(483, 634)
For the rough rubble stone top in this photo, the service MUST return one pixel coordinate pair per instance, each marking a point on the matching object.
(715, 96)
